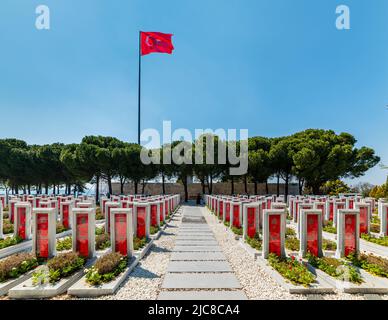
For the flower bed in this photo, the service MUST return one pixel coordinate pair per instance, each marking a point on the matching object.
(374, 227)
(291, 269)
(7, 226)
(102, 241)
(255, 242)
(238, 231)
(154, 229)
(328, 227)
(62, 266)
(60, 228)
(290, 232)
(382, 241)
(14, 266)
(99, 215)
(107, 268)
(65, 244)
(292, 243)
(139, 243)
(100, 230)
(336, 268)
(373, 264)
(329, 245)
(9, 241)
(227, 223)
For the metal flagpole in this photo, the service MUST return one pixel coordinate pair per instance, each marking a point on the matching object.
(139, 86)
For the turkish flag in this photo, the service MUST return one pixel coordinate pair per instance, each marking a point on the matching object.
(155, 42)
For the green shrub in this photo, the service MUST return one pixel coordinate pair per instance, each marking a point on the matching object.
(373, 264)
(10, 241)
(292, 270)
(238, 231)
(14, 266)
(65, 244)
(100, 230)
(255, 242)
(7, 226)
(382, 241)
(64, 265)
(162, 223)
(227, 223)
(292, 244)
(154, 229)
(335, 268)
(99, 215)
(102, 241)
(329, 245)
(290, 232)
(375, 219)
(139, 243)
(328, 227)
(107, 268)
(5, 215)
(374, 227)
(60, 228)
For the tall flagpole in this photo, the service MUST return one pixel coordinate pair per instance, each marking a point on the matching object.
(138, 116)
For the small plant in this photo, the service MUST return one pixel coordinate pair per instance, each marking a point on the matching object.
(65, 244)
(60, 228)
(374, 227)
(292, 244)
(64, 265)
(328, 227)
(329, 245)
(382, 241)
(100, 230)
(99, 215)
(107, 268)
(162, 223)
(154, 229)
(14, 266)
(373, 264)
(10, 241)
(5, 215)
(291, 269)
(375, 219)
(102, 241)
(139, 243)
(335, 268)
(290, 232)
(7, 226)
(227, 223)
(255, 242)
(238, 231)
(40, 277)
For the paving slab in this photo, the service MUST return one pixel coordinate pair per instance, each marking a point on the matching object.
(195, 238)
(196, 256)
(179, 243)
(196, 248)
(200, 281)
(199, 266)
(202, 295)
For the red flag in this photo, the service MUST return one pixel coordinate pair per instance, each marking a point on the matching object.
(156, 42)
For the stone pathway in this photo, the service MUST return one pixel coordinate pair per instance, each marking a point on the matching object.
(198, 269)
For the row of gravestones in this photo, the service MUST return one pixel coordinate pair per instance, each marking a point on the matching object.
(123, 220)
(269, 215)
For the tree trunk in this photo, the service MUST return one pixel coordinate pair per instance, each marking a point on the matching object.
(186, 189)
(163, 185)
(122, 182)
(286, 188)
(255, 182)
(266, 187)
(135, 183)
(17, 189)
(143, 186)
(232, 185)
(316, 189)
(278, 184)
(246, 184)
(29, 189)
(58, 189)
(110, 184)
(98, 189)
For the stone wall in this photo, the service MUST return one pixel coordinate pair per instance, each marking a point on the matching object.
(195, 188)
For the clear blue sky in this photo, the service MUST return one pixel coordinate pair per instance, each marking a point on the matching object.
(271, 66)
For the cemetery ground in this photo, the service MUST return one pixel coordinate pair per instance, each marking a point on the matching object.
(197, 256)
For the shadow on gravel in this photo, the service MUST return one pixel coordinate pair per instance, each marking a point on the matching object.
(160, 249)
(143, 273)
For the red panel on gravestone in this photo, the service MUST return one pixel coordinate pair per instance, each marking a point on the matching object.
(121, 234)
(312, 234)
(236, 216)
(350, 204)
(296, 210)
(387, 220)
(154, 215)
(13, 212)
(350, 234)
(166, 207)
(274, 234)
(331, 210)
(37, 202)
(269, 203)
(22, 223)
(82, 241)
(161, 211)
(108, 222)
(221, 209)
(65, 216)
(363, 220)
(251, 222)
(42, 249)
(141, 222)
(227, 213)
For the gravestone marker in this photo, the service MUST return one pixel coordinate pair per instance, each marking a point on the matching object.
(311, 232)
(84, 222)
(274, 232)
(44, 231)
(122, 231)
(22, 226)
(348, 231)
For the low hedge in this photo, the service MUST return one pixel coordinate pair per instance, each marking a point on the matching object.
(106, 269)
(14, 266)
(336, 268)
(373, 264)
(291, 269)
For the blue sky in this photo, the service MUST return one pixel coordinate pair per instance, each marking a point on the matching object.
(271, 66)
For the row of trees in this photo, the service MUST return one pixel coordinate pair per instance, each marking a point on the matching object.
(310, 157)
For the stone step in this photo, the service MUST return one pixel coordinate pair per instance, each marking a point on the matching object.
(197, 256)
(202, 295)
(200, 281)
(196, 243)
(197, 248)
(199, 266)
